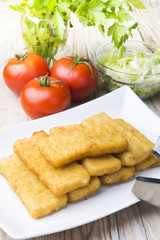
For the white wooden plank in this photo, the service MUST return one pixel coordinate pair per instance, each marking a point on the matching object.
(149, 21)
(151, 220)
(4, 236)
(104, 229)
(10, 25)
(130, 224)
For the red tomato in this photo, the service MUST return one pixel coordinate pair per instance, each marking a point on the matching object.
(82, 79)
(44, 96)
(23, 68)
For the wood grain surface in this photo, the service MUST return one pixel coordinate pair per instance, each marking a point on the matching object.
(138, 222)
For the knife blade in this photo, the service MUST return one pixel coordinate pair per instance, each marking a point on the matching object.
(148, 189)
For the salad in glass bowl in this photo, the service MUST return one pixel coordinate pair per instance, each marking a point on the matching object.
(136, 64)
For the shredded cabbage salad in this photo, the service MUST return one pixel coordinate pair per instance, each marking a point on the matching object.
(142, 68)
(138, 62)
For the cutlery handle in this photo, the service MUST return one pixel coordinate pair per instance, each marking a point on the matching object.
(156, 149)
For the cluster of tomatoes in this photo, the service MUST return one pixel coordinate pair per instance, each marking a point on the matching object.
(43, 92)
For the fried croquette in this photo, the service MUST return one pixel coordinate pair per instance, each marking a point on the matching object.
(98, 166)
(80, 193)
(123, 174)
(150, 161)
(36, 197)
(59, 180)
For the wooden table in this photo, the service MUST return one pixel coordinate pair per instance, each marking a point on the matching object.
(140, 221)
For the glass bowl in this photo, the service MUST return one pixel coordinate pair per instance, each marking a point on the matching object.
(144, 85)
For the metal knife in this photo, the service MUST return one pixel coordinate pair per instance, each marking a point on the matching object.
(148, 189)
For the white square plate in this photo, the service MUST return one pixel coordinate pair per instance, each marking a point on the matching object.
(14, 218)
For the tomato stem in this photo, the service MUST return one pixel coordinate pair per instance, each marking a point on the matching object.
(78, 60)
(44, 81)
(20, 56)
